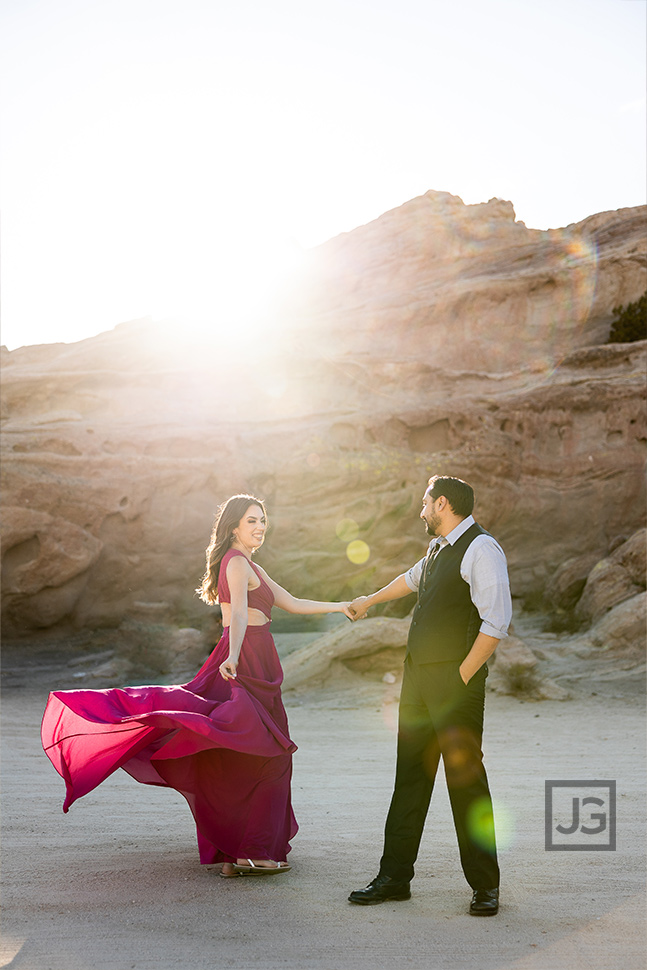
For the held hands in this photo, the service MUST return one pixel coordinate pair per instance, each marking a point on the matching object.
(228, 668)
(358, 607)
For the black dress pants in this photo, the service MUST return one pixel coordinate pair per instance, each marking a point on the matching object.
(441, 716)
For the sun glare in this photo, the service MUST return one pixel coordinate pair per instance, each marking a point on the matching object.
(221, 291)
(160, 162)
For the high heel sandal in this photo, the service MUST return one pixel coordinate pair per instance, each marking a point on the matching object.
(251, 870)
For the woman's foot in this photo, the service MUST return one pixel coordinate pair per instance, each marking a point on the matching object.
(259, 867)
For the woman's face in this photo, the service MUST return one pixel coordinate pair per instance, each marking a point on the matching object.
(250, 531)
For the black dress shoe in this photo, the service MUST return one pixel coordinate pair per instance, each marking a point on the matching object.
(485, 902)
(380, 890)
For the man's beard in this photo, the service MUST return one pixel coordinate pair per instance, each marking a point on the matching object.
(432, 527)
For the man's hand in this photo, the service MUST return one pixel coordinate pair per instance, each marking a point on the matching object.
(359, 606)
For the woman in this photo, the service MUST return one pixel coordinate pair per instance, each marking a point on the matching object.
(221, 740)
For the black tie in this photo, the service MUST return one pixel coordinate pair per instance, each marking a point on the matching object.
(431, 558)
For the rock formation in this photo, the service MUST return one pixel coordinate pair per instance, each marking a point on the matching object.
(617, 578)
(440, 338)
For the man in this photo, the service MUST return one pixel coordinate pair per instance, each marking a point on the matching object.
(463, 610)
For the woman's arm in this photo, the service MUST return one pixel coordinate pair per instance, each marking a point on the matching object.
(238, 572)
(291, 604)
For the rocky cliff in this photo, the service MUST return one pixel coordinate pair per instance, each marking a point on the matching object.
(440, 338)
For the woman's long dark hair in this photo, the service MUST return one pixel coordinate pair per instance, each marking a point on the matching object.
(227, 518)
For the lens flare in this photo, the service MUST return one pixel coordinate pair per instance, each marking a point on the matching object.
(358, 552)
(347, 530)
(480, 822)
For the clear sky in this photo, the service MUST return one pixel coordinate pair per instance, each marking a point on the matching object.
(174, 157)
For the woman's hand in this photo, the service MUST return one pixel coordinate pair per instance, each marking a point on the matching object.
(345, 608)
(228, 668)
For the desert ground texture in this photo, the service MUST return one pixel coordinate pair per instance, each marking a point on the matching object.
(116, 883)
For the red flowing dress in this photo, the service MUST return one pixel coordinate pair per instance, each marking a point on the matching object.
(224, 745)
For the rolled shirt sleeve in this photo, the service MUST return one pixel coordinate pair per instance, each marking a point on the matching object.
(413, 576)
(485, 569)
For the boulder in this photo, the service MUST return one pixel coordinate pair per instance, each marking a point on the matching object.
(632, 556)
(624, 627)
(614, 579)
(364, 638)
(564, 587)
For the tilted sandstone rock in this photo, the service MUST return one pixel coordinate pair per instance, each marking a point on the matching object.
(624, 627)
(432, 340)
(513, 667)
(365, 637)
(614, 579)
(565, 586)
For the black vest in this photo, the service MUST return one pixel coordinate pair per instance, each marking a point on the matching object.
(445, 621)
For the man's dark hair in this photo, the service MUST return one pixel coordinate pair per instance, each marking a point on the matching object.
(458, 493)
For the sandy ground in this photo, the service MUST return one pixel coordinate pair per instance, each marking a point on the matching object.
(116, 885)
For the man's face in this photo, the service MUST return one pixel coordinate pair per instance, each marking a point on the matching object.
(429, 515)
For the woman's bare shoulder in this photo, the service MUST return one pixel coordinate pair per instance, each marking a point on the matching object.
(238, 565)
